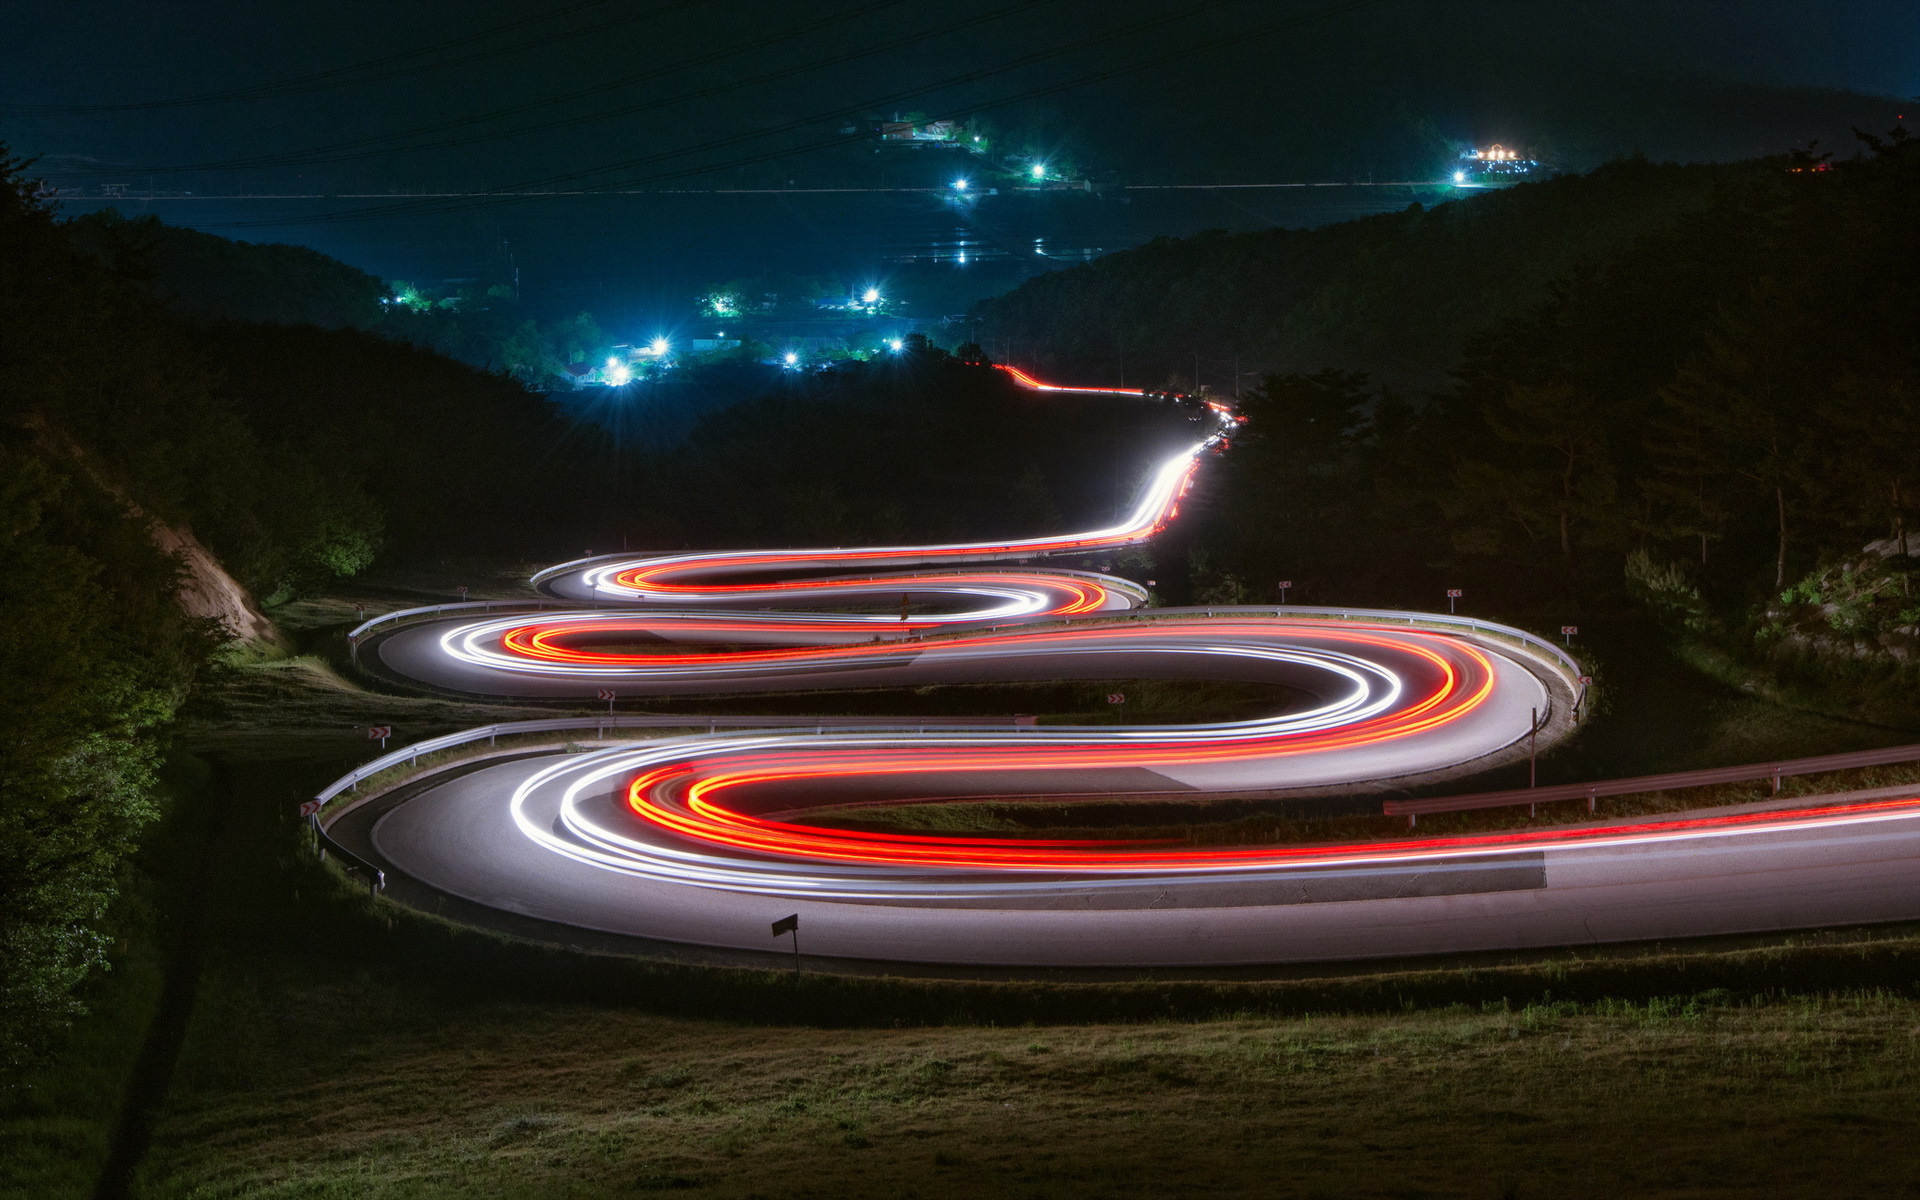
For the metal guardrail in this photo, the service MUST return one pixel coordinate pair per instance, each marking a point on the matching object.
(410, 755)
(376, 878)
(1589, 792)
(1391, 616)
(399, 615)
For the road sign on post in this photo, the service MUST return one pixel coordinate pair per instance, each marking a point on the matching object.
(1116, 697)
(1567, 632)
(1453, 594)
(608, 695)
(790, 925)
(462, 589)
(1284, 585)
(382, 732)
(309, 808)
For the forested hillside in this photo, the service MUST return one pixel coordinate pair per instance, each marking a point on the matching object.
(1716, 417)
(205, 278)
(1397, 296)
(296, 454)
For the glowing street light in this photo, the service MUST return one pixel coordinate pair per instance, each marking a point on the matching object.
(660, 346)
(1039, 170)
(871, 296)
(895, 344)
(1459, 176)
(959, 185)
(792, 358)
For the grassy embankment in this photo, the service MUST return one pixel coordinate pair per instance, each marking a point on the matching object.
(304, 1085)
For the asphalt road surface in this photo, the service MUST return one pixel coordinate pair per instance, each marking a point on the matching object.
(705, 839)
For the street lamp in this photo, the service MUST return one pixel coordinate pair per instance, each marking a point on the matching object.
(959, 185)
(1039, 170)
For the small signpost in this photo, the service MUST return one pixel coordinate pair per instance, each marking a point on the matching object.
(607, 694)
(1284, 585)
(1119, 698)
(1533, 761)
(462, 589)
(382, 732)
(790, 925)
(309, 808)
(903, 605)
(359, 612)
(1453, 595)
(1567, 632)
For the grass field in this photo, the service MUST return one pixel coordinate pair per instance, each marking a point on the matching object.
(306, 1083)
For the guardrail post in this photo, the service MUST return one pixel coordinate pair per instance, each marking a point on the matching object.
(1776, 780)
(1591, 798)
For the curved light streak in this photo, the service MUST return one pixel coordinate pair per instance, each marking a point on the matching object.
(707, 810)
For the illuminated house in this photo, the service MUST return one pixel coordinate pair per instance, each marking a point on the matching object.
(1495, 164)
(946, 132)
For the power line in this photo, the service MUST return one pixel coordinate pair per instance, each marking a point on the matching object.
(843, 111)
(371, 147)
(508, 192)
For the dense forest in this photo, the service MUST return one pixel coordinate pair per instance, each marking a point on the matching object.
(1717, 419)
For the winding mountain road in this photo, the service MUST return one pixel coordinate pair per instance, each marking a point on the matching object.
(705, 839)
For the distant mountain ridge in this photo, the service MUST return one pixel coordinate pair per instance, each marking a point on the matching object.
(1397, 296)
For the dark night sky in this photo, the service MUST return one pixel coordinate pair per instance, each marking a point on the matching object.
(1374, 91)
